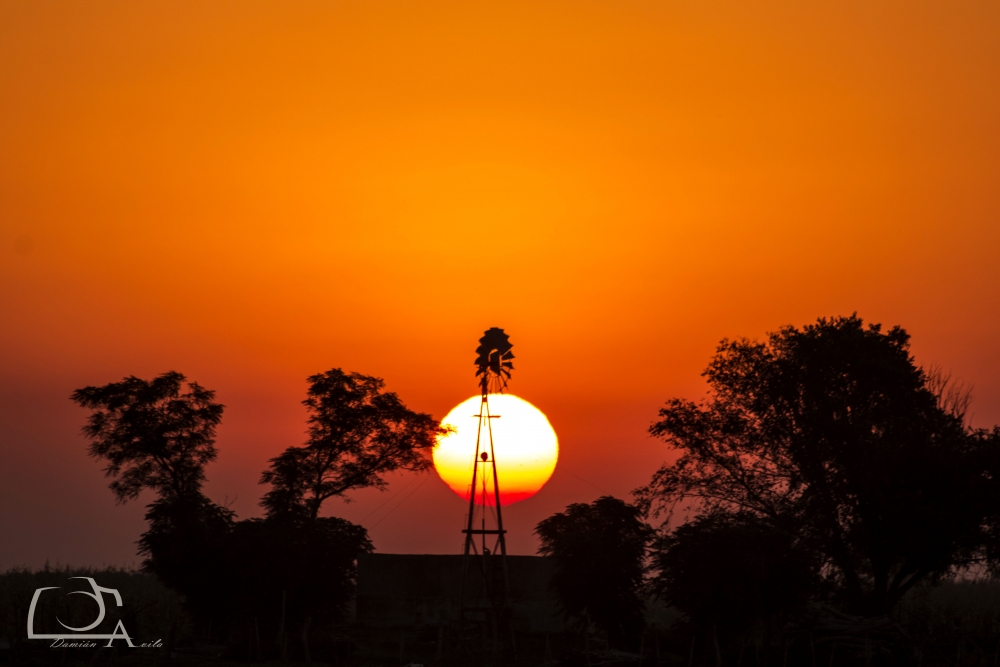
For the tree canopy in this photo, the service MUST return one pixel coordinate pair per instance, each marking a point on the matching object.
(357, 434)
(157, 434)
(731, 571)
(832, 431)
(599, 551)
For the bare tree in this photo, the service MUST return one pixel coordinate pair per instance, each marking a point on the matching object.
(953, 396)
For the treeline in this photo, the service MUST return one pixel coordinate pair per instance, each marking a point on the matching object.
(247, 581)
(824, 478)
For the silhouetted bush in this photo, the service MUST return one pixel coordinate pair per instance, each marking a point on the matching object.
(732, 575)
(291, 576)
(599, 552)
(954, 622)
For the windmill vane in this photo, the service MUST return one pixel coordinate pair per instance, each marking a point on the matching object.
(493, 360)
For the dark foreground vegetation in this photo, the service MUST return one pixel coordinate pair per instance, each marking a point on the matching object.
(953, 622)
(824, 506)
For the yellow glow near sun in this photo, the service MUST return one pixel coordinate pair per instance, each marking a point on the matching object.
(524, 443)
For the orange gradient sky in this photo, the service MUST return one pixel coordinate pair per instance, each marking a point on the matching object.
(253, 192)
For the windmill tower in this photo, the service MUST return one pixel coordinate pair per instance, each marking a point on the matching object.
(485, 603)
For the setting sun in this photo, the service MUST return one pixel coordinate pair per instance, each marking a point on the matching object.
(525, 446)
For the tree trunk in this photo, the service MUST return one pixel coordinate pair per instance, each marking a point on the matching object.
(256, 636)
(282, 645)
(305, 638)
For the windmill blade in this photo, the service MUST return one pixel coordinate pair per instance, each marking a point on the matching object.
(493, 357)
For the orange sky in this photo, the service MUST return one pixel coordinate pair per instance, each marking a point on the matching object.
(252, 192)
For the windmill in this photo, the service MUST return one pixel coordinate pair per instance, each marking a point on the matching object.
(485, 582)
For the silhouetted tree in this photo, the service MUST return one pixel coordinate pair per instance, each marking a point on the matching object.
(159, 435)
(833, 431)
(732, 573)
(357, 434)
(154, 434)
(599, 552)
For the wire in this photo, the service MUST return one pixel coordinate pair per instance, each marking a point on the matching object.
(389, 499)
(401, 502)
(585, 481)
